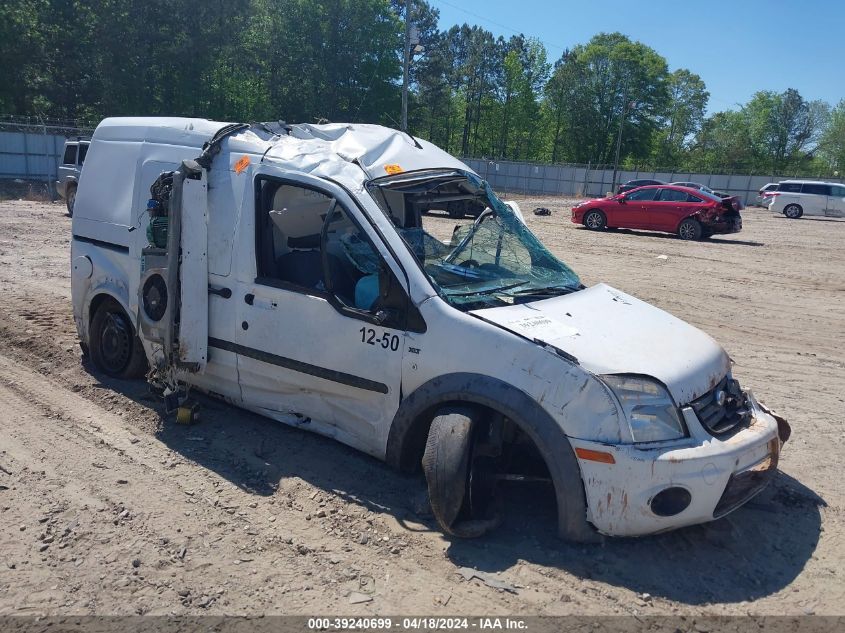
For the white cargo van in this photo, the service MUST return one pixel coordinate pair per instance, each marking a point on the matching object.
(286, 269)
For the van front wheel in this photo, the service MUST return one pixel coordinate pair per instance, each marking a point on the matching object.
(461, 488)
(115, 348)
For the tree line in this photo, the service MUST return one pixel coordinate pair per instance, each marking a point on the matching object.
(472, 93)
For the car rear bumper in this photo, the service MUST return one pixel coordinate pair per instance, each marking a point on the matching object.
(729, 225)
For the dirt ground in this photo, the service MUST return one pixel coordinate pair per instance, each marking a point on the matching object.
(106, 508)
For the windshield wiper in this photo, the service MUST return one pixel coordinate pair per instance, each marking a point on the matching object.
(486, 291)
(544, 291)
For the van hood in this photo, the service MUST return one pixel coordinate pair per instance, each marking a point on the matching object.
(610, 332)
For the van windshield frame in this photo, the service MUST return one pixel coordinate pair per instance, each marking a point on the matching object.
(496, 261)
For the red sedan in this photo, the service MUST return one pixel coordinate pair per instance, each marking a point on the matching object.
(690, 213)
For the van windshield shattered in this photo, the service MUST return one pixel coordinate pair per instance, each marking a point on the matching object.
(496, 260)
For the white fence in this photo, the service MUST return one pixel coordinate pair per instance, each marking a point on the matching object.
(33, 152)
(582, 180)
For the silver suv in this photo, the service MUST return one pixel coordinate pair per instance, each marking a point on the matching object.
(69, 170)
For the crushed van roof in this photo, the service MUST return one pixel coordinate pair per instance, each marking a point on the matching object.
(355, 152)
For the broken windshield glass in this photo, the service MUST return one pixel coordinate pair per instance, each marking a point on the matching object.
(495, 261)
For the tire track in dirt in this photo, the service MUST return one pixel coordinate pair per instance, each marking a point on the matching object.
(158, 504)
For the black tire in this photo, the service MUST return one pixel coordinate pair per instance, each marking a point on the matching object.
(793, 211)
(595, 220)
(448, 472)
(690, 229)
(456, 210)
(115, 348)
(70, 199)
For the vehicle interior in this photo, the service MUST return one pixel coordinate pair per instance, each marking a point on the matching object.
(494, 261)
(302, 233)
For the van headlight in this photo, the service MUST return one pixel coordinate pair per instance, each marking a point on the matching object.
(649, 409)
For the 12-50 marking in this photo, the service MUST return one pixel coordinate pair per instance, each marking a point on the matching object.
(386, 340)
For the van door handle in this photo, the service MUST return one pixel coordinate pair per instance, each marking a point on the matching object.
(220, 292)
(258, 302)
(264, 304)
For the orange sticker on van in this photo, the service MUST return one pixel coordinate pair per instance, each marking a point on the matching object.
(393, 169)
(242, 164)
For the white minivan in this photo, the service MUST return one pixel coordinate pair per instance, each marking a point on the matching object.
(287, 269)
(796, 198)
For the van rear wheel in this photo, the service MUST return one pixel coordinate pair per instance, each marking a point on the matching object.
(115, 348)
(793, 211)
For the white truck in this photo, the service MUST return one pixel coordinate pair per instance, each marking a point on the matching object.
(286, 270)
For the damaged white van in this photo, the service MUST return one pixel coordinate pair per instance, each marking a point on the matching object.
(286, 269)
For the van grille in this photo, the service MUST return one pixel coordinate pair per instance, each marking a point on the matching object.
(723, 408)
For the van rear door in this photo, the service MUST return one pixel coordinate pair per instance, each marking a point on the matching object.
(836, 202)
(814, 198)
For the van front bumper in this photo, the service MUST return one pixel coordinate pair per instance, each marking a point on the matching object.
(649, 489)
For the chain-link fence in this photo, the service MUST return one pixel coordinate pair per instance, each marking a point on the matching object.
(597, 180)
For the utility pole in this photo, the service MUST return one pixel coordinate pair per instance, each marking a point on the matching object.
(619, 138)
(406, 65)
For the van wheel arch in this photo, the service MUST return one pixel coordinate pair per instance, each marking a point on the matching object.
(409, 433)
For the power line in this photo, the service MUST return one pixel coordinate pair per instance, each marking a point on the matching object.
(501, 26)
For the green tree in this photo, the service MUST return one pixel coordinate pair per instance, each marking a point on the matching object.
(832, 141)
(724, 140)
(622, 82)
(785, 128)
(773, 133)
(687, 105)
(525, 71)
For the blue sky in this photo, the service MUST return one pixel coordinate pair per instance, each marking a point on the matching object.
(737, 47)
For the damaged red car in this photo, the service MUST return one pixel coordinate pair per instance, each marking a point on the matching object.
(689, 213)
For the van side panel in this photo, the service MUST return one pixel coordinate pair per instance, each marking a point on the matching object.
(103, 209)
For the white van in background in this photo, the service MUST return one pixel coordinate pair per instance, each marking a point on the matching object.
(795, 198)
